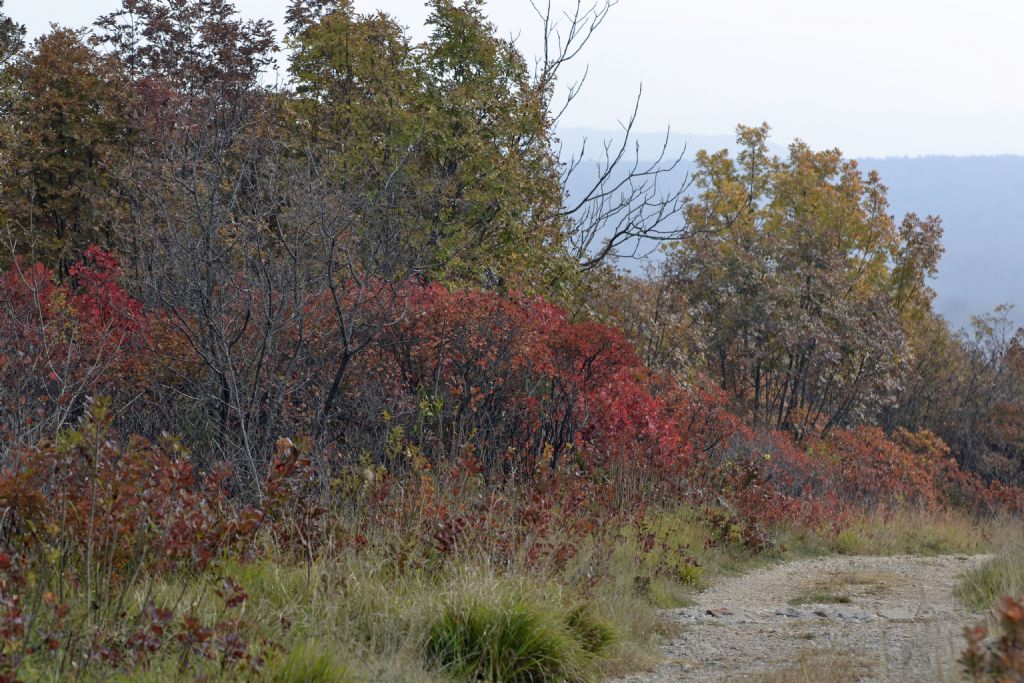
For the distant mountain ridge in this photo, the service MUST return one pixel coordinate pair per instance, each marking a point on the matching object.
(980, 200)
(591, 141)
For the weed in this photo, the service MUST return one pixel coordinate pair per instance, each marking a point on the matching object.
(309, 662)
(1003, 574)
(1000, 660)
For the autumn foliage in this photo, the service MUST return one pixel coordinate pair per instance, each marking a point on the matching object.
(62, 342)
(1001, 658)
(360, 315)
(475, 422)
(508, 383)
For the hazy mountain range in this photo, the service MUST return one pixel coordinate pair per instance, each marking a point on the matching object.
(980, 200)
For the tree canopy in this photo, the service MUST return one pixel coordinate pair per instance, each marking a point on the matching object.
(800, 280)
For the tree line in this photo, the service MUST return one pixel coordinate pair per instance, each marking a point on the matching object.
(285, 225)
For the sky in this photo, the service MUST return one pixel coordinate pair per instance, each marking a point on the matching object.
(872, 77)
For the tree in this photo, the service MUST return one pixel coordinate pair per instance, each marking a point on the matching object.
(12, 38)
(797, 277)
(197, 46)
(650, 310)
(968, 387)
(448, 137)
(68, 130)
(457, 133)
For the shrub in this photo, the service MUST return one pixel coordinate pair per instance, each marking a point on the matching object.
(1001, 660)
(60, 342)
(118, 509)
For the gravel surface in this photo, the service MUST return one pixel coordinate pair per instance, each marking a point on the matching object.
(827, 619)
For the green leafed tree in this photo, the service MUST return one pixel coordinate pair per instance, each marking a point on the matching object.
(801, 282)
(67, 127)
(450, 137)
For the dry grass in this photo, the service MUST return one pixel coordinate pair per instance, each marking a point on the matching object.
(815, 666)
(842, 587)
(920, 532)
(357, 618)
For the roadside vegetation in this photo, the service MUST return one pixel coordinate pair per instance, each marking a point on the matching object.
(330, 380)
(1001, 575)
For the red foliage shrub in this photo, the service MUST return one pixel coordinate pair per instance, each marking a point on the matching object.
(91, 516)
(420, 391)
(1002, 660)
(60, 342)
(128, 506)
(824, 479)
(517, 376)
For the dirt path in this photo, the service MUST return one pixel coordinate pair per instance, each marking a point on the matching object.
(828, 619)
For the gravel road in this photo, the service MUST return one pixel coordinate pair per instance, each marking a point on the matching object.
(827, 619)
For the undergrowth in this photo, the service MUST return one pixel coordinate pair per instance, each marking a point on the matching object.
(129, 563)
(1001, 575)
(917, 532)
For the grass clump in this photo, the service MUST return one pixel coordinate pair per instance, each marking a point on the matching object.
(520, 639)
(1001, 575)
(310, 662)
(812, 666)
(816, 597)
(592, 632)
(840, 587)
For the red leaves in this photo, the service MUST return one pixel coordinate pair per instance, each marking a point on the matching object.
(134, 502)
(12, 618)
(1001, 660)
(231, 593)
(448, 533)
(519, 376)
(60, 342)
(769, 478)
(98, 298)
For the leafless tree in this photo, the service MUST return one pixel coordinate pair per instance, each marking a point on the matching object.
(631, 203)
(273, 272)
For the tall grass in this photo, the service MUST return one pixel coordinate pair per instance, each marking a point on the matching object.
(356, 619)
(917, 532)
(1002, 575)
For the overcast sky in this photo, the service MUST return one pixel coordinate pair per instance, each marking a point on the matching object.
(873, 77)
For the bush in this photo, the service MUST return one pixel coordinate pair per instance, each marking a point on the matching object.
(60, 342)
(1001, 660)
